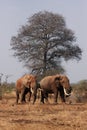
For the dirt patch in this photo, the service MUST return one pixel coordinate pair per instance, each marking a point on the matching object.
(42, 116)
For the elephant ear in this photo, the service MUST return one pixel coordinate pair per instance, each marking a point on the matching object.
(58, 77)
(26, 80)
(57, 80)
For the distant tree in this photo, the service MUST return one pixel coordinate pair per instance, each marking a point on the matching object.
(43, 42)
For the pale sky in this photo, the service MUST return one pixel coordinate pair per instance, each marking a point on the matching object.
(14, 14)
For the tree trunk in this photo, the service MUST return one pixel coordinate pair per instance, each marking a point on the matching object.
(0, 92)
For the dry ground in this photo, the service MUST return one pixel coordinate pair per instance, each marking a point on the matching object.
(41, 116)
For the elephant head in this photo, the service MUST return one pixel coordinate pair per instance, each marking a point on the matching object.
(27, 81)
(30, 81)
(64, 81)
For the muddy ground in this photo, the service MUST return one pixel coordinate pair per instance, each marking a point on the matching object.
(41, 116)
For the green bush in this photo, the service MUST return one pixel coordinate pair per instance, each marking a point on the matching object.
(80, 90)
(6, 88)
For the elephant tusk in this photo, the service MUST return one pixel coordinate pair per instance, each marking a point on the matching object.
(32, 91)
(66, 92)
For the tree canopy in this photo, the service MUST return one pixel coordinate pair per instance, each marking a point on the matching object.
(43, 42)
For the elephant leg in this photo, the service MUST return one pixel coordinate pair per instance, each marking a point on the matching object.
(34, 95)
(29, 96)
(62, 94)
(23, 95)
(46, 96)
(34, 98)
(42, 96)
(27, 90)
(55, 96)
(17, 96)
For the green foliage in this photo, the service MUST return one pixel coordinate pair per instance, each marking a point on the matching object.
(80, 91)
(80, 86)
(7, 88)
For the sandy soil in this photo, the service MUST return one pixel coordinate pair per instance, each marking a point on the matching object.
(41, 116)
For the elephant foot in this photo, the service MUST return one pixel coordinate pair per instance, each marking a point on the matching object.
(33, 103)
(41, 102)
(23, 102)
(47, 102)
(63, 103)
(55, 103)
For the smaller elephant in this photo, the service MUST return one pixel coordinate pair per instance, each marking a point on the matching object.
(26, 84)
(55, 84)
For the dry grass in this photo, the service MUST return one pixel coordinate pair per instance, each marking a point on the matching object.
(41, 116)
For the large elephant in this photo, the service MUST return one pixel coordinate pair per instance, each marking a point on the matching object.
(55, 84)
(26, 84)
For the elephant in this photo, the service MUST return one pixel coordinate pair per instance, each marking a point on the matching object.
(26, 84)
(55, 84)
